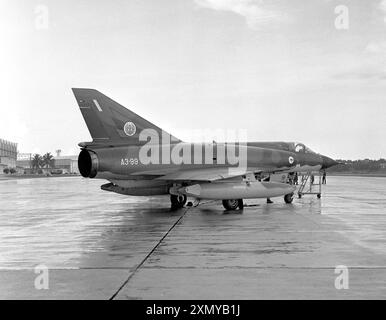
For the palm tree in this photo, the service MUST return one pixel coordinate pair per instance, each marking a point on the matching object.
(37, 161)
(48, 160)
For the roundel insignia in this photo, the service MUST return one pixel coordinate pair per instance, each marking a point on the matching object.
(129, 128)
(291, 160)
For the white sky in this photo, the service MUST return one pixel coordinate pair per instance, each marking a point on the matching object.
(278, 68)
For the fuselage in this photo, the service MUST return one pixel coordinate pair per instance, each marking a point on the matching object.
(134, 169)
(139, 158)
(131, 162)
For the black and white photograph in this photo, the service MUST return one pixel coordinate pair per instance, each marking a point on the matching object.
(192, 150)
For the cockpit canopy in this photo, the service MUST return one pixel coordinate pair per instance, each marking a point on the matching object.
(300, 148)
(296, 147)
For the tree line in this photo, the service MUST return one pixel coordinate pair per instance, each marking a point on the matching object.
(365, 165)
(44, 161)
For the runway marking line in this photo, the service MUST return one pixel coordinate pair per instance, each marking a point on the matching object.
(148, 255)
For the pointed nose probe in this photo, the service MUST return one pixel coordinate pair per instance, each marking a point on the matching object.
(328, 162)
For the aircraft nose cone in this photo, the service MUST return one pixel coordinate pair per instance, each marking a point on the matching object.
(328, 162)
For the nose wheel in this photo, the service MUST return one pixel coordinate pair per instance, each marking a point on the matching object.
(288, 198)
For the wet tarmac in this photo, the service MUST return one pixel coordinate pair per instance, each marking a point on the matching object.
(100, 245)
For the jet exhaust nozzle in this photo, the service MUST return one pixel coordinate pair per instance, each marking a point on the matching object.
(88, 163)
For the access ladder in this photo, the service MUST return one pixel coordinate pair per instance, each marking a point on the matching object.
(306, 187)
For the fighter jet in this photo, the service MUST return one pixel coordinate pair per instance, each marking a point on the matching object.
(138, 158)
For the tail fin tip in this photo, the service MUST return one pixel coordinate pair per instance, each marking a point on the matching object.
(107, 120)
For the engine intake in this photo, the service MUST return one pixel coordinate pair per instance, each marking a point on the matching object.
(88, 163)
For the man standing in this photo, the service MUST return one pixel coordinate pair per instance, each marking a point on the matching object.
(296, 178)
(324, 177)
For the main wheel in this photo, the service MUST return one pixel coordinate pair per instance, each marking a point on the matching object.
(233, 204)
(177, 202)
(288, 198)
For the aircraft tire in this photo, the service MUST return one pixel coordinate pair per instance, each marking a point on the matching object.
(177, 202)
(288, 198)
(231, 204)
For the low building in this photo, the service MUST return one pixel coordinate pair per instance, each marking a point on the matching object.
(24, 163)
(60, 165)
(8, 155)
(68, 164)
(24, 160)
(2, 167)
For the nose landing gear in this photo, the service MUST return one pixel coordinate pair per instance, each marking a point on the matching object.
(288, 198)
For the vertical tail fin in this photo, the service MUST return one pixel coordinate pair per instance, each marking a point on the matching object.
(108, 121)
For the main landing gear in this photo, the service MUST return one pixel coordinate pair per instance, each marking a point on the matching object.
(233, 204)
(177, 201)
